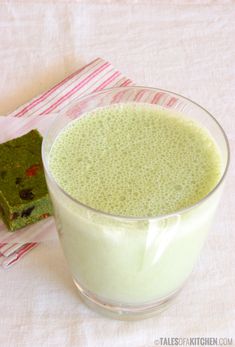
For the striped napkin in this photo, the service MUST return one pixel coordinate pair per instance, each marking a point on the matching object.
(97, 75)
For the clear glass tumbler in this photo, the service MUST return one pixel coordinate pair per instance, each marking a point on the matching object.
(131, 268)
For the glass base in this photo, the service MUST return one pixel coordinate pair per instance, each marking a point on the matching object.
(127, 312)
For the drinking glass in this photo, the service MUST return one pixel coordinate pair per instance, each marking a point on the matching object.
(131, 267)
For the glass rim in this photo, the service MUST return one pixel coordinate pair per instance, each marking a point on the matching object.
(136, 218)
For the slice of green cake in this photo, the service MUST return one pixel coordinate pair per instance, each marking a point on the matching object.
(24, 197)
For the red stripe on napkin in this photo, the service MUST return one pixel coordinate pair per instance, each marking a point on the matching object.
(75, 89)
(52, 90)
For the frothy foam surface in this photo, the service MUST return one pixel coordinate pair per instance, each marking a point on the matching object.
(135, 160)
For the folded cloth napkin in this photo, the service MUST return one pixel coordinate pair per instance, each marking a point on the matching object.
(97, 75)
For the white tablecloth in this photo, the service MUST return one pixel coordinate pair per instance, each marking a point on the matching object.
(184, 46)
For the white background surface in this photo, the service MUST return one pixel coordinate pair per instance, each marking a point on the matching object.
(184, 46)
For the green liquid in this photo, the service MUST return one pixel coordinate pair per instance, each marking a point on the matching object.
(135, 160)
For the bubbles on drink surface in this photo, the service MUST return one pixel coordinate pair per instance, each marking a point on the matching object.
(135, 160)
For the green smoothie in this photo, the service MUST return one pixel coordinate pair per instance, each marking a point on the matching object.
(133, 160)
